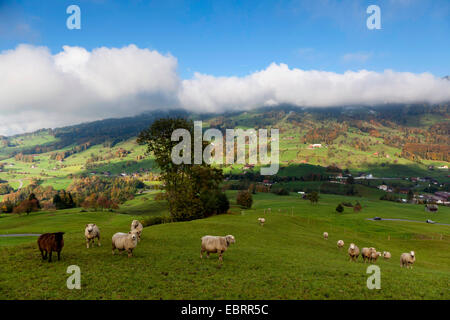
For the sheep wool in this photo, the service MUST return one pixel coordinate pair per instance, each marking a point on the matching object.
(91, 232)
(407, 259)
(366, 253)
(216, 244)
(124, 241)
(353, 252)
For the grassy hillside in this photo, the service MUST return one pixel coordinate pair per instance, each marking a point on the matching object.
(285, 259)
(358, 140)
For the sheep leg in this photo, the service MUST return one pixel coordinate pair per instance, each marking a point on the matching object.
(130, 253)
(98, 241)
(87, 243)
(113, 249)
(220, 256)
(42, 253)
(201, 253)
(59, 255)
(207, 255)
(50, 256)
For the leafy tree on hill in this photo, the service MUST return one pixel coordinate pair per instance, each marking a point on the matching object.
(410, 195)
(313, 197)
(357, 207)
(63, 200)
(192, 190)
(244, 198)
(340, 208)
(5, 189)
(27, 206)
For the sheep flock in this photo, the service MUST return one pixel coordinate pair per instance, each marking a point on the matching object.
(371, 255)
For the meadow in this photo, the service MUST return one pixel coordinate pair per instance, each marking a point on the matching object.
(287, 258)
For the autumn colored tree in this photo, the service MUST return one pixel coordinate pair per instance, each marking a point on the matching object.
(244, 198)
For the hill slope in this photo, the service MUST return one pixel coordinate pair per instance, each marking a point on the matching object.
(394, 141)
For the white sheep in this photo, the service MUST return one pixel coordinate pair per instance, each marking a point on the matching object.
(407, 259)
(366, 253)
(91, 232)
(261, 221)
(137, 227)
(124, 241)
(216, 244)
(325, 235)
(353, 252)
(374, 256)
(386, 255)
(340, 243)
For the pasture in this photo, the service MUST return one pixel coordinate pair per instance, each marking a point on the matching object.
(287, 258)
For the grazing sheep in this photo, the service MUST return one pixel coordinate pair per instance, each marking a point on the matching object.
(374, 256)
(386, 255)
(261, 221)
(216, 244)
(124, 241)
(325, 235)
(366, 253)
(50, 242)
(137, 227)
(91, 232)
(353, 252)
(340, 243)
(407, 259)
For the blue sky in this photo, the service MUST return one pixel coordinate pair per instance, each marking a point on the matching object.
(235, 38)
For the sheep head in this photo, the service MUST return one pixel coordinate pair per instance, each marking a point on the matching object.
(132, 235)
(412, 254)
(230, 239)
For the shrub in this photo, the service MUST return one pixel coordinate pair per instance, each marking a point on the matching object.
(244, 199)
(357, 207)
(313, 197)
(281, 192)
(340, 208)
(150, 221)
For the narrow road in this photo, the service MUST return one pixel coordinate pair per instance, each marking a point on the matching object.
(441, 224)
(21, 184)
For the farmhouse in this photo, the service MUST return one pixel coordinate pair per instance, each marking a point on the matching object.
(443, 194)
(383, 187)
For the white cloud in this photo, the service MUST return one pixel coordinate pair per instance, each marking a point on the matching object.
(39, 89)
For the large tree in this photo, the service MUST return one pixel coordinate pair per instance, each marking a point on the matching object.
(192, 190)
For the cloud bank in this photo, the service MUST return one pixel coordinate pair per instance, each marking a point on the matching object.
(40, 89)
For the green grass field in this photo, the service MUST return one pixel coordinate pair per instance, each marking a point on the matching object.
(287, 258)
